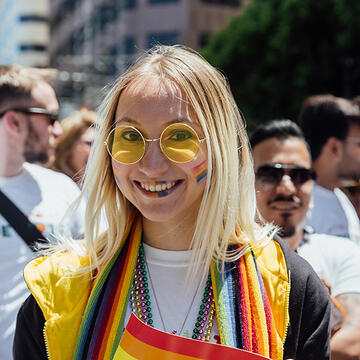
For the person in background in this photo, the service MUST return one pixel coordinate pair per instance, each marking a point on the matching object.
(72, 148)
(331, 126)
(284, 184)
(352, 190)
(177, 184)
(28, 126)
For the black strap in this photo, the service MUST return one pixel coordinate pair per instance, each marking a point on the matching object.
(20, 223)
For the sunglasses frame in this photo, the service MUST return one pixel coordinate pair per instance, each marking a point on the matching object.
(312, 173)
(53, 115)
(146, 140)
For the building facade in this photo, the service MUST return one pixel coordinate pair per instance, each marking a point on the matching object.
(24, 32)
(92, 41)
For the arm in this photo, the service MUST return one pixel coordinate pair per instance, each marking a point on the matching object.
(29, 343)
(345, 344)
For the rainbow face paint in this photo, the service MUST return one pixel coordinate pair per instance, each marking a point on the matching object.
(117, 180)
(200, 172)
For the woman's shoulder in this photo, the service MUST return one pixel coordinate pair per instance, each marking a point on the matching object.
(56, 277)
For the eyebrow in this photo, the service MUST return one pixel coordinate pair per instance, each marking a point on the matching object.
(132, 121)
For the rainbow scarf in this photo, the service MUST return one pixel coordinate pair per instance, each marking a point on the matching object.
(243, 309)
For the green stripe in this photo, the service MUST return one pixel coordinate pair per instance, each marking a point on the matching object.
(217, 283)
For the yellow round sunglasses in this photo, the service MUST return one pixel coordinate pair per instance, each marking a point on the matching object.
(179, 142)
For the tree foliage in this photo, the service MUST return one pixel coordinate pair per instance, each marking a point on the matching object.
(278, 52)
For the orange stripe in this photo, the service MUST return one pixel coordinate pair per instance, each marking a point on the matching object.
(256, 307)
(139, 350)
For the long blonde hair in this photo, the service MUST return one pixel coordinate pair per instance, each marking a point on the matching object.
(228, 208)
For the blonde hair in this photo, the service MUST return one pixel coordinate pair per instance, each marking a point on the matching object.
(228, 208)
(74, 126)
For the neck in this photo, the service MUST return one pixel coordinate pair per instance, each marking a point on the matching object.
(327, 176)
(295, 240)
(174, 234)
(10, 166)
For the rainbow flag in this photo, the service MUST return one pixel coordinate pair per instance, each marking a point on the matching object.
(141, 341)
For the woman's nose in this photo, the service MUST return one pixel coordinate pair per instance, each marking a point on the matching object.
(154, 162)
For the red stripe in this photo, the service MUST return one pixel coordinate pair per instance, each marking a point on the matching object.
(244, 317)
(184, 346)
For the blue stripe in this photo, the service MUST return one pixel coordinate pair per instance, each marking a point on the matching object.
(229, 297)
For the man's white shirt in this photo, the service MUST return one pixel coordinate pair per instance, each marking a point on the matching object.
(44, 196)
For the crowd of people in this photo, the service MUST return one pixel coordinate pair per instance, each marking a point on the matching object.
(159, 205)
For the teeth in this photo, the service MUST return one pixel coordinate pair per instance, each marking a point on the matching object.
(158, 187)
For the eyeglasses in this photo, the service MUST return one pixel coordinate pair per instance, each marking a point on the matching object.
(52, 115)
(270, 175)
(179, 143)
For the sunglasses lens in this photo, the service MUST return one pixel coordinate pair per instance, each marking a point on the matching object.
(179, 143)
(269, 176)
(126, 144)
(300, 176)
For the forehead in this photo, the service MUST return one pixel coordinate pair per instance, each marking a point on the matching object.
(291, 151)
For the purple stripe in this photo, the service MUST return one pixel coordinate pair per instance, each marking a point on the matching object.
(259, 279)
(104, 303)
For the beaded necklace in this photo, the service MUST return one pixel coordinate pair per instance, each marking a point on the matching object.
(141, 303)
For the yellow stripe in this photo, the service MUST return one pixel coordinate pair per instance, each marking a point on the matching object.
(136, 349)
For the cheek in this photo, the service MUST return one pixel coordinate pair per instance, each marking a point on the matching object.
(199, 172)
(117, 171)
(261, 199)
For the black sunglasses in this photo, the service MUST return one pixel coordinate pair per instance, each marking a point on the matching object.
(52, 115)
(272, 174)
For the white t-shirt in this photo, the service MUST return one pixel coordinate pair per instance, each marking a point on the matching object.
(335, 259)
(333, 214)
(44, 196)
(179, 305)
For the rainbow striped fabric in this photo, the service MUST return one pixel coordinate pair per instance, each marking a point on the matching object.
(141, 341)
(242, 306)
(243, 309)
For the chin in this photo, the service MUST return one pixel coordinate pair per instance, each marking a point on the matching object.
(158, 216)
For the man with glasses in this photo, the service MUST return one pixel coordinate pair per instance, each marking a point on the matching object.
(331, 126)
(284, 184)
(28, 128)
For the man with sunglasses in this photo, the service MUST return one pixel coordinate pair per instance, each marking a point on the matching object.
(331, 126)
(28, 128)
(284, 184)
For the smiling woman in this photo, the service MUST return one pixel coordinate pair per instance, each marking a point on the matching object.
(183, 250)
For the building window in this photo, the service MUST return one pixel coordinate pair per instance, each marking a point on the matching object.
(170, 38)
(223, 2)
(33, 18)
(32, 47)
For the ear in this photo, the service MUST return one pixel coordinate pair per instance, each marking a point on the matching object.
(12, 122)
(334, 148)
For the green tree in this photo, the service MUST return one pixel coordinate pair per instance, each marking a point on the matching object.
(278, 52)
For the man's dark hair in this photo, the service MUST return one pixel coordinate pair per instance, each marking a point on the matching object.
(279, 129)
(325, 116)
